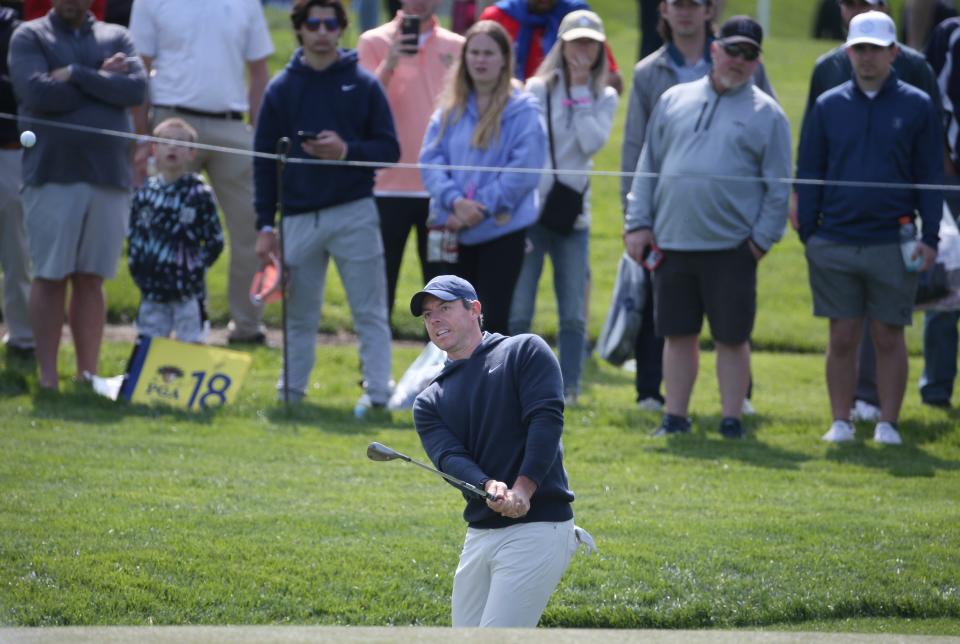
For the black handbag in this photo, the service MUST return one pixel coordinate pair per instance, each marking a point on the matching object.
(563, 204)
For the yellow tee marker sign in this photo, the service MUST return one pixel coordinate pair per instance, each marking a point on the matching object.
(195, 377)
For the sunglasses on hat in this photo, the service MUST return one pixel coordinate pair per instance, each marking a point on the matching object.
(330, 24)
(745, 52)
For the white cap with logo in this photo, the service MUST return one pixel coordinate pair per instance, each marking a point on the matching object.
(872, 28)
(581, 24)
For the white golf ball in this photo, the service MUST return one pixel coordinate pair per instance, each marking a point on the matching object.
(27, 139)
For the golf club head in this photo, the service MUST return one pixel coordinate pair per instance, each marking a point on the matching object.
(380, 452)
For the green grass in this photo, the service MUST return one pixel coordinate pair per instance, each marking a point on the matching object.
(118, 514)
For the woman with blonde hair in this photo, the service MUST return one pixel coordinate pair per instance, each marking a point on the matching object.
(571, 86)
(483, 121)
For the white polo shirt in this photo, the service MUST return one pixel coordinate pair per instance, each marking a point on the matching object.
(200, 49)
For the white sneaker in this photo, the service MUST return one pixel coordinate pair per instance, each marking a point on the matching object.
(863, 411)
(746, 408)
(840, 432)
(364, 405)
(650, 404)
(886, 433)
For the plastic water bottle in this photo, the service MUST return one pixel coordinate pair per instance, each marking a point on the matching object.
(908, 244)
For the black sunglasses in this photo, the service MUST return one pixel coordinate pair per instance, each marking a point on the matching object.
(747, 53)
(330, 24)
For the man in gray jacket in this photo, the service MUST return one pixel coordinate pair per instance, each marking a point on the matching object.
(686, 27)
(712, 231)
(70, 69)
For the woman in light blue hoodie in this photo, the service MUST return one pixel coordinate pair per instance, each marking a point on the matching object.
(484, 122)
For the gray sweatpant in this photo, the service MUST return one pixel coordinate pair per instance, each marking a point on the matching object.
(350, 233)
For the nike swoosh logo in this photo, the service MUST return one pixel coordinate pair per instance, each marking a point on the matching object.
(347, 88)
(492, 369)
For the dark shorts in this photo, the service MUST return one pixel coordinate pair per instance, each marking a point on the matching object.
(850, 282)
(721, 284)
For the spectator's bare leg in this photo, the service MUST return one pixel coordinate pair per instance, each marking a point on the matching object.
(842, 365)
(733, 376)
(892, 368)
(47, 304)
(681, 360)
(88, 314)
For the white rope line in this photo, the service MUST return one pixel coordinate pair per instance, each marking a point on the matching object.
(143, 138)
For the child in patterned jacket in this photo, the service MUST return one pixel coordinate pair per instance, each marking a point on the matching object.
(174, 238)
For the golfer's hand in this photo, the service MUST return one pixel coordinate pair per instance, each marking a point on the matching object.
(635, 243)
(267, 247)
(929, 255)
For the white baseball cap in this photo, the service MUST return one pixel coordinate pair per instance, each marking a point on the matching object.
(872, 28)
(581, 24)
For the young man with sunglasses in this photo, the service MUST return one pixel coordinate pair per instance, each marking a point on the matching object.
(875, 129)
(333, 110)
(833, 69)
(712, 232)
(686, 27)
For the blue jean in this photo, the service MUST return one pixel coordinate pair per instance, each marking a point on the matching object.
(939, 356)
(569, 256)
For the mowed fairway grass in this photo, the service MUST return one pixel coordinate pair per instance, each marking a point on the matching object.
(119, 514)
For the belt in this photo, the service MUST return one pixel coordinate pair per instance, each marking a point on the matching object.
(12, 145)
(227, 116)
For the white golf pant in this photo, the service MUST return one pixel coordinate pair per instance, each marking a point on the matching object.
(506, 576)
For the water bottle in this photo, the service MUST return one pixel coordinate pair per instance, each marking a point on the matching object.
(435, 245)
(908, 244)
(451, 247)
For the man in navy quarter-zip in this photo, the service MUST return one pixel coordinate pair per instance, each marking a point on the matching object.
(493, 417)
(712, 231)
(330, 109)
(874, 128)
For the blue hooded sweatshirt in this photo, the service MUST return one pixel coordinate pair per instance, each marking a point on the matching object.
(496, 415)
(510, 198)
(344, 98)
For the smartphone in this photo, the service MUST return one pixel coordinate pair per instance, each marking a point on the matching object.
(653, 259)
(304, 135)
(410, 26)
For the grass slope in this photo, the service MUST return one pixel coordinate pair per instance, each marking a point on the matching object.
(116, 514)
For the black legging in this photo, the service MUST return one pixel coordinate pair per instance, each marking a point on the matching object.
(493, 268)
(398, 215)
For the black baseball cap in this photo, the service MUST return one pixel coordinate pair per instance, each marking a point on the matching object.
(741, 29)
(444, 287)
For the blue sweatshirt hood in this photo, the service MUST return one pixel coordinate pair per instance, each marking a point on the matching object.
(343, 98)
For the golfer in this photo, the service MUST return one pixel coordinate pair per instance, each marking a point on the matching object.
(493, 417)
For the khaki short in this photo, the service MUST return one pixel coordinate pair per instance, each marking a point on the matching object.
(850, 282)
(75, 228)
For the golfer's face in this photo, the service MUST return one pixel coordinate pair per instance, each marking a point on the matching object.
(451, 325)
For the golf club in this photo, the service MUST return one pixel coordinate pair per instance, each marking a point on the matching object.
(380, 452)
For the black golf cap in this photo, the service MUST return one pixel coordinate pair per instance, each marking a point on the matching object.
(444, 287)
(741, 29)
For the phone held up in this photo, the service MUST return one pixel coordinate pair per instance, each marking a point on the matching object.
(410, 31)
(306, 135)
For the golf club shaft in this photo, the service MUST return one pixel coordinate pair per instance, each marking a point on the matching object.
(463, 485)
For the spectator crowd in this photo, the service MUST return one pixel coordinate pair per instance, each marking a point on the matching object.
(525, 84)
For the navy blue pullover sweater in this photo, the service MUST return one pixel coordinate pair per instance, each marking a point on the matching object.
(895, 137)
(496, 415)
(344, 98)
